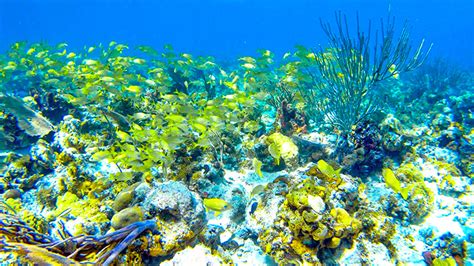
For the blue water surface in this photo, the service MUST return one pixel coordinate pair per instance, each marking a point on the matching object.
(229, 28)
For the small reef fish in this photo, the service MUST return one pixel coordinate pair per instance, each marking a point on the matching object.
(257, 190)
(392, 181)
(120, 119)
(253, 207)
(217, 205)
(394, 72)
(257, 166)
(328, 170)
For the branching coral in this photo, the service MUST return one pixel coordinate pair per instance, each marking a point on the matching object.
(15, 230)
(41, 248)
(348, 70)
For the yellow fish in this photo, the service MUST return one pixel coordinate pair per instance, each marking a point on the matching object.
(311, 56)
(139, 61)
(249, 66)
(30, 51)
(257, 166)
(217, 205)
(393, 70)
(134, 88)
(328, 170)
(257, 190)
(392, 181)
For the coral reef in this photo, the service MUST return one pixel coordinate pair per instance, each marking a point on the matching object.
(312, 218)
(112, 158)
(180, 215)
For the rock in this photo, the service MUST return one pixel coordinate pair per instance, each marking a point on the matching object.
(225, 236)
(442, 121)
(127, 216)
(365, 252)
(179, 210)
(391, 124)
(268, 162)
(316, 203)
(236, 197)
(141, 190)
(43, 155)
(392, 142)
(249, 253)
(212, 236)
(12, 194)
(122, 200)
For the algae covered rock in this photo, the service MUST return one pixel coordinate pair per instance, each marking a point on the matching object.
(12, 194)
(122, 200)
(180, 213)
(127, 216)
(125, 197)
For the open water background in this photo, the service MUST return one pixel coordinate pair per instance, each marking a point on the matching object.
(227, 29)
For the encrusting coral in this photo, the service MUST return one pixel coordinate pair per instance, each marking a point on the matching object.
(308, 221)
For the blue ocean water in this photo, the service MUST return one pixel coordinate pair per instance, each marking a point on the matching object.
(228, 28)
